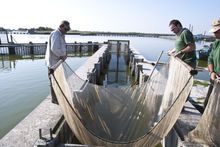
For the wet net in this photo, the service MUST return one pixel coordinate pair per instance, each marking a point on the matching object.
(208, 129)
(123, 115)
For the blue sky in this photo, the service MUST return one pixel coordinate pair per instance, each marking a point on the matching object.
(147, 16)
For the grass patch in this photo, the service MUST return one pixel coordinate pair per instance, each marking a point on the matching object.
(202, 83)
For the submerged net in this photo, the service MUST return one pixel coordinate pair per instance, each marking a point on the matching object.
(208, 129)
(123, 115)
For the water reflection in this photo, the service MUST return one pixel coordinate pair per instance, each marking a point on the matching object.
(24, 84)
(5, 63)
(8, 62)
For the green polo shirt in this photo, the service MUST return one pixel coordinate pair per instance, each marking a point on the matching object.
(214, 57)
(182, 40)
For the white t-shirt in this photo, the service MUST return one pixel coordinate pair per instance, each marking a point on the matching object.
(56, 48)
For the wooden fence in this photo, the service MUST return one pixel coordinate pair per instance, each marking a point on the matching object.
(40, 48)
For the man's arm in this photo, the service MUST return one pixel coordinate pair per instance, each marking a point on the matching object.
(189, 48)
(212, 73)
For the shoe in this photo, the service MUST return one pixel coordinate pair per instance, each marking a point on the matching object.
(55, 101)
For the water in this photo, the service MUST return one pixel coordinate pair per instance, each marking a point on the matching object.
(24, 82)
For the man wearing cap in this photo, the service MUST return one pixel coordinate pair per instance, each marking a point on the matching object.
(185, 44)
(56, 50)
(214, 58)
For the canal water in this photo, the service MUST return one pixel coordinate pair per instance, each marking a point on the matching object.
(24, 82)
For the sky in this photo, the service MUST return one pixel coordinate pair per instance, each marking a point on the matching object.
(144, 16)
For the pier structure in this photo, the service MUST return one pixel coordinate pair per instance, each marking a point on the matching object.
(40, 48)
(140, 67)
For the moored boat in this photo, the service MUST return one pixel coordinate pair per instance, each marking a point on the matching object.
(202, 54)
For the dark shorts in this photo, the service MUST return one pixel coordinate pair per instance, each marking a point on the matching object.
(53, 95)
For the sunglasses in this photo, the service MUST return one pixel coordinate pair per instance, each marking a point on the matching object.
(66, 28)
(173, 28)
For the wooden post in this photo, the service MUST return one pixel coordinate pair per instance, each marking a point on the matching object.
(31, 48)
(101, 63)
(11, 50)
(93, 77)
(75, 47)
(139, 70)
(89, 46)
(80, 48)
(129, 52)
(95, 47)
(97, 67)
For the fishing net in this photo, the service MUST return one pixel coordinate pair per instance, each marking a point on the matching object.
(208, 129)
(123, 115)
(3, 36)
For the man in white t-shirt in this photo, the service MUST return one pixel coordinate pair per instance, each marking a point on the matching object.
(56, 51)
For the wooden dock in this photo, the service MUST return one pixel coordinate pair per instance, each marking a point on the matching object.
(40, 48)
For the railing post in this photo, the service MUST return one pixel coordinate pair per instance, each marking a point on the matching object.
(31, 48)
(80, 48)
(95, 48)
(89, 46)
(11, 50)
(139, 70)
(98, 70)
(75, 47)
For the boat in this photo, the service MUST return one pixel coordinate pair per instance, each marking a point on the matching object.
(202, 54)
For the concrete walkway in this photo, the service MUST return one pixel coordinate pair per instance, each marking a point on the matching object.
(26, 133)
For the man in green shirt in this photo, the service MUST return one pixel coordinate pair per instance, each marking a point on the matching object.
(214, 58)
(185, 47)
(184, 44)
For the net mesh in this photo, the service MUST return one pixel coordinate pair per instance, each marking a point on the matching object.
(3, 36)
(123, 115)
(208, 128)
